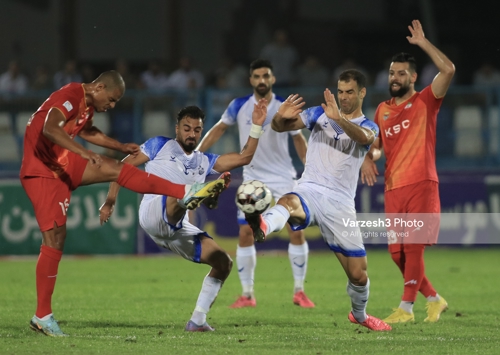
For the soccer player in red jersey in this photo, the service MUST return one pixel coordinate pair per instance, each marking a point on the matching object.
(408, 136)
(54, 165)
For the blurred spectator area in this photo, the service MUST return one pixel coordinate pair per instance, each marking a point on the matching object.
(468, 127)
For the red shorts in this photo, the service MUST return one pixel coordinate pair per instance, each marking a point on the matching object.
(415, 213)
(50, 197)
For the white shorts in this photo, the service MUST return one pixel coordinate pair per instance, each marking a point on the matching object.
(183, 238)
(336, 221)
(277, 189)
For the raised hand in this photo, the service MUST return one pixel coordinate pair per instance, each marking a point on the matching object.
(417, 33)
(259, 113)
(291, 107)
(331, 109)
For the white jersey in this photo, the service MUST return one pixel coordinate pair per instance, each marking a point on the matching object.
(168, 161)
(272, 162)
(333, 159)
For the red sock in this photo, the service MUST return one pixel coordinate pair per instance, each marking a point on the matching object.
(414, 270)
(46, 272)
(399, 258)
(145, 183)
(426, 288)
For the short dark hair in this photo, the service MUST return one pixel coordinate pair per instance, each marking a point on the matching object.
(192, 112)
(405, 58)
(260, 63)
(353, 74)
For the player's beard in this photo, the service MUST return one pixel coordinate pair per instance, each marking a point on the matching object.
(403, 89)
(189, 145)
(262, 90)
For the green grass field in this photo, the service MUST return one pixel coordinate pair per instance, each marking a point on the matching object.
(139, 305)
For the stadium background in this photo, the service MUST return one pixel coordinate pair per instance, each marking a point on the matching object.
(98, 32)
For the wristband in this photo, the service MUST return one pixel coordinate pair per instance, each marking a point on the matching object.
(256, 131)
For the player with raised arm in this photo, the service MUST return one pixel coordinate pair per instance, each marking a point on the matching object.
(408, 126)
(54, 165)
(272, 165)
(165, 221)
(338, 143)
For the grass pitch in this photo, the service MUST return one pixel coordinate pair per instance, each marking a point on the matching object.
(139, 305)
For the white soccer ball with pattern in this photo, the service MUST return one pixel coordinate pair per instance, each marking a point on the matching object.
(253, 197)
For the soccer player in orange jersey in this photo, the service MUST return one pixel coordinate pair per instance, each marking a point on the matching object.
(408, 136)
(54, 165)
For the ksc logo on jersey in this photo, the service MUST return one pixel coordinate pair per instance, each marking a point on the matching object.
(397, 128)
(386, 115)
(408, 105)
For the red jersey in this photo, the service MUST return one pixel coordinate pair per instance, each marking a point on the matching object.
(408, 135)
(41, 156)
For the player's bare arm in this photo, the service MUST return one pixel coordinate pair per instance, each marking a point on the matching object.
(300, 144)
(53, 130)
(106, 210)
(287, 117)
(212, 136)
(93, 135)
(358, 134)
(446, 68)
(369, 171)
(234, 160)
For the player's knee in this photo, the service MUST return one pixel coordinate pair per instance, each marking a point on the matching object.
(358, 277)
(222, 263)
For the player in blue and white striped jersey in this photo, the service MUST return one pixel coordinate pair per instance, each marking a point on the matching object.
(338, 144)
(272, 165)
(165, 220)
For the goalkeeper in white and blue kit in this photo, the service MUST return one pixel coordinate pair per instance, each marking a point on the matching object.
(166, 220)
(337, 146)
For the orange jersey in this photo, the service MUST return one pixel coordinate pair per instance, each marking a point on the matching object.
(41, 156)
(408, 136)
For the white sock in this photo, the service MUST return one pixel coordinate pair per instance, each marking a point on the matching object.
(298, 260)
(246, 260)
(209, 291)
(406, 306)
(276, 218)
(46, 318)
(359, 299)
(433, 298)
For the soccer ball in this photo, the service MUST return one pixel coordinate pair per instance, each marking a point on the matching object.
(253, 197)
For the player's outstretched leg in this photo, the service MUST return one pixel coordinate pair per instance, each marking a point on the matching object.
(213, 201)
(198, 192)
(258, 225)
(47, 325)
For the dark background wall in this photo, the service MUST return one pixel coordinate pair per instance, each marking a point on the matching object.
(99, 31)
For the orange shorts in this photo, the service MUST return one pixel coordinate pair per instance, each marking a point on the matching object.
(50, 197)
(417, 208)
